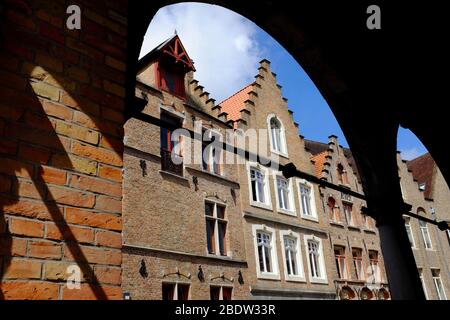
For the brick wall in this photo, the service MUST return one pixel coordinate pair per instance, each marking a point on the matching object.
(61, 105)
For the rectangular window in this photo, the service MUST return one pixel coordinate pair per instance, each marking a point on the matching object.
(172, 81)
(436, 273)
(375, 266)
(409, 231)
(258, 186)
(423, 282)
(221, 293)
(264, 252)
(341, 263)
(348, 211)
(314, 259)
(290, 251)
(305, 198)
(169, 144)
(216, 228)
(175, 291)
(425, 235)
(283, 192)
(211, 156)
(358, 263)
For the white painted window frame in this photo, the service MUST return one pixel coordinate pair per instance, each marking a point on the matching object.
(283, 150)
(319, 280)
(312, 200)
(300, 277)
(275, 274)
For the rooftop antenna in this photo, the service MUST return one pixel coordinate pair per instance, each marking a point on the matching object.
(176, 32)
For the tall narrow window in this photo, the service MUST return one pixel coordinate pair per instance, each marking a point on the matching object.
(258, 185)
(284, 194)
(342, 175)
(358, 263)
(374, 266)
(341, 263)
(314, 259)
(425, 234)
(348, 211)
(168, 145)
(409, 231)
(221, 293)
(216, 228)
(305, 199)
(275, 130)
(420, 270)
(436, 273)
(175, 291)
(333, 210)
(290, 251)
(264, 252)
(211, 156)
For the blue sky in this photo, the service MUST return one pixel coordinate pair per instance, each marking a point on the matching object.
(227, 48)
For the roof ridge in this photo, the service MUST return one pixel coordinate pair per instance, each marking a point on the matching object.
(236, 93)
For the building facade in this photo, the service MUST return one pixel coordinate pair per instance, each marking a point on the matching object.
(424, 188)
(353, 236)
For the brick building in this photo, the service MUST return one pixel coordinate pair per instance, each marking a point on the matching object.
(424, 188)
(353, 236)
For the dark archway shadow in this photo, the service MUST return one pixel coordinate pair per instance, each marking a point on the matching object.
(27, 123)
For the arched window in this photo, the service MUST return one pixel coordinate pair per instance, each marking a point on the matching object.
(277, 137)
(333, 210)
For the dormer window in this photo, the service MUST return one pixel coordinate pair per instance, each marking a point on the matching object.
(171, 80)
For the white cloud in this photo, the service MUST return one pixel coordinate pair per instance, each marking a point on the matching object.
(410, 154)
(221, 43)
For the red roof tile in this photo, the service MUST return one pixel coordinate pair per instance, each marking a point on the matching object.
(319, 162)
(234, 104)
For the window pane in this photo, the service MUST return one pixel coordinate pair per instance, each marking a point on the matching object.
(222, 234)
(215, 293)
(210, 234)
(267, 256)
(227, 293)
(183, 291)
(209, 209)
(220, 212)
(168, 291)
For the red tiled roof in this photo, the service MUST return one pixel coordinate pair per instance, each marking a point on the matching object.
(234, 104)
(319, 161)
(422, 170)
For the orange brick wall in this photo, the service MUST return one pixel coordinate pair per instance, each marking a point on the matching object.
(61, 128)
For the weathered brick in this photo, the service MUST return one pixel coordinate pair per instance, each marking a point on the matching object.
(77, 132)
(82, 104)
(14, 247)
(95, 255)
(49, 18)
(109, 239)
(5, 184)
(108, 275)
(29, 189)
(88, 293)
(71, 197)
(50, 32)
(52, 176)
(46, 61)
(93, 219)
(26, 228)
(96, 185)
(116, 64)
(12, 80)
(44, 250)
(113, 88)
(108, 204)
(16, 168)
(113, 115)
(98, 154)
(26, 208)
(57, 110)
(77, 73)
(69, 233)
(21, 19)
(34, 121)
(32, 153)
(46, 91)
(112, 144)
(72, 162)
(29, 290)
(110, 173)
(58, 271)
(23, 269)
(84, 49)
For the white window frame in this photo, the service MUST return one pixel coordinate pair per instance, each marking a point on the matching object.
(345, 274)
(427, 235)
(361, 274)
(216, 226)
(323, 279)
(422, 279)
(438, 278)
(292, 210)
(352, 221)
(210, 162)
(312, 200)
(408, 226)
(283, 150)
(275, 274)
(268, 199)
(300, 277)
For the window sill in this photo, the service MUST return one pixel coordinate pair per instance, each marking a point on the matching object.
(287, 213)
(369, 230)
(295, 279)
(266, 276)
(309, 218)
(281, 154)
(222, 177)
(261, 205)
(173, 175)
(319, 281)
(337, 224)
(356, 228)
